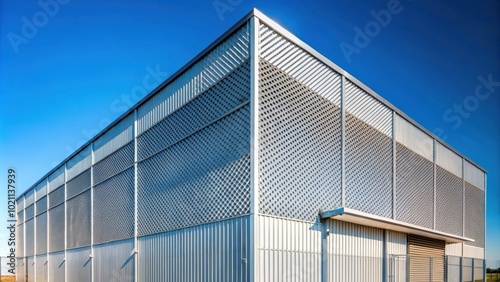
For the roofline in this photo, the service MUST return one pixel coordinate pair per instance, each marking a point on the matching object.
(283, 32)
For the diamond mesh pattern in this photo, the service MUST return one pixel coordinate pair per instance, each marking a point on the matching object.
(20, 240)
(56, 197)
(200, 179)
(221, 98)
(30, 237)
(474, 215)
(414, 188)
(41, 205)
(29, 212)
(41, 234)
(78, 184)
(448, 202)
(116, 162)
(114, 208)
(78, 221)
(299, 147)
(56, 229)
(368, 168)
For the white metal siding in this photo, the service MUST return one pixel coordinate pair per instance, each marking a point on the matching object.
(56, 267)
(20, 270)
(396, 250)
(29, 198)
(56, 179)
(448, 160)
(41, 268)
(473, 252)
(79, 163)
(354, 252)
(413, 138)
(31, 269)
(114, 261)
(41, 190)
(474, 175)
(211, 252)
(454, 249)
(79, 264)
(289, 250)
(115, 138)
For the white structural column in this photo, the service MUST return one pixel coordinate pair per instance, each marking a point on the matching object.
(342, 140)
(135, 250)
(435, 179)
(252, 260)
(394, 161)
(65, 222)
(92, 265)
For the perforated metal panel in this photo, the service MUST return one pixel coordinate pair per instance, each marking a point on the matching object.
(56, 229)
(474, 215)
(299, 143)
(202, 178)
(78, 221)
(414, 188)
(30, 237)
(114, 163)
(41, 234)
(114, 208)
(368, 154)
(223, 97)
(29, 212)
(448, 202)
(20, 240)
(78, 184)
(41, 205)
(56, 197)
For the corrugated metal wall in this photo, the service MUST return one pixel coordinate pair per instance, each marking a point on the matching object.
(42, 269)
(57, 267)
(20, 270)
(79, 264)
(289, 250)
(397, 250)
(211, 252)
(30, 261)
(114, 261)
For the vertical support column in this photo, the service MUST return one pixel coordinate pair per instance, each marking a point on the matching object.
(252, 257)
(485, 209)
(342, 140)
(394, 165)
(385, 272)
(136, 259)
(461, 268)
(473, 269)
(48, 231)
(463, 199)
(434, 151)
(92, 211)
(324, 250)
(34, 232)
(65, 222)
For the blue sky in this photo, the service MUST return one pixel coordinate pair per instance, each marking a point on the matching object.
(68, 68)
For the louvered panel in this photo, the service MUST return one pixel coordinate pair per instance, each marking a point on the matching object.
(299, 64)
(426, 259)
(79, 163)
(114, 138)
(210, 69)
(56, 179)
(474, 215)
(299, 148)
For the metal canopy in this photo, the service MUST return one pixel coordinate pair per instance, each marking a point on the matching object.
(362, 218)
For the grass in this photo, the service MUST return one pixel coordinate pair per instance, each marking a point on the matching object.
(8, 279)
(492, 277)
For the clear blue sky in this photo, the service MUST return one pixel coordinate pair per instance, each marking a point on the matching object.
(69, 67)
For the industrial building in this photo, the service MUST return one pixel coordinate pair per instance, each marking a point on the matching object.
(260, 160)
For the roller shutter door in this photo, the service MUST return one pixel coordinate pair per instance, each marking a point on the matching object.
(426, 259)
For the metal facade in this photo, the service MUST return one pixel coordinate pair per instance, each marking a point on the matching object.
(220, 175)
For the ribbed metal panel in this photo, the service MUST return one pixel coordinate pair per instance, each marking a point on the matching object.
(114, 261)
(115, 138)
(41, 205)
(29, 198)
(413, 138)
(299, 143)
(368, 156)
(56, 197)
(354, 252)
(454, 249)
(396, 243)
(474, 175)
(473, 252)
(397, 249)
(474, 225)
(449, 201)
(114, 163)
(20, 204)
(289, 250)
(30, 261)
(78, 221)
(79, 264)
(42, 269)
(214, 66)
(478, 270)
(211, 252)
(299, 64)
(199, 179)
(79, 163)
(56, 229)
(29, 212)
(21, 270)
(114, 208)
(414, 188)
(78, 184)
(41, 234)
(20, 240)
(426, 259)
(30, 237)
(56, 267)
(41, 190)
(56, 179)
(453, 269)
(448, 160)
(467, 269)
